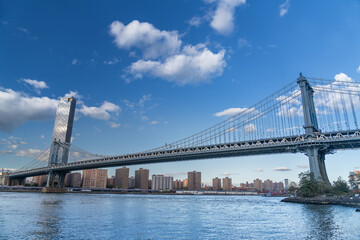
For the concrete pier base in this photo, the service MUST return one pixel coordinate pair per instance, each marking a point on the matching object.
(54, 190)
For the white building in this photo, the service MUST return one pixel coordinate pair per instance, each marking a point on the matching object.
(161, 182)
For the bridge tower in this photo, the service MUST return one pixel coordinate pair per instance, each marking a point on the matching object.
(59, 150)
(316, 154)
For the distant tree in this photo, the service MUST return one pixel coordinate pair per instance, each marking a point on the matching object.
(340, 187)
(292, 189)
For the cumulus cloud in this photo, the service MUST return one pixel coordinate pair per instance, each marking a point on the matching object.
(29, 152)
(102, 112)
(17, 108)
(282, 169)
(37, 85)
(342, 77)
(195, 21)
(154, 122)
(232, 111)
(195, 64)
(152, 42)
(284, 8)
(250, 128)
(163, 55)
(223, 18)
(358, 69)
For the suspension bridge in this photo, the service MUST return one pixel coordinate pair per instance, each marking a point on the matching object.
(310, 115)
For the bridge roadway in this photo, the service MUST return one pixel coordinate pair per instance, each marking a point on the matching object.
(328, 141)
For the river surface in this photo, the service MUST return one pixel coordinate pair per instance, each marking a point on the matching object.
(112, 216)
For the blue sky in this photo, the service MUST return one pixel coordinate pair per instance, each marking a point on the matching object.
(152, 72)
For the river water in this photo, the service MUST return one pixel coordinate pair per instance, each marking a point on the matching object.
(112, 216)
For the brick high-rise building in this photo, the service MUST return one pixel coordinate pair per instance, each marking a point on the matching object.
(258, 185)
(75, 180)
(216, 184)
(94, 178)
(40, 180)
(268, 185)
(122, 178)
(142, 178)
(194, 180)
(227, 184)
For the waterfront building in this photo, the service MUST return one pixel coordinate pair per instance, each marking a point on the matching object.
(75, 180)
(268, 185)
(142, 178)
(131, 182)
(122, 178)
(110, 182)
(65, 113)
(94, 178)
(258, 185)
(161, 182)
(286, 181)
(227, 184)
(194, 180)
(185, 183)
(216, 182)
(178, 184)
(40, 180)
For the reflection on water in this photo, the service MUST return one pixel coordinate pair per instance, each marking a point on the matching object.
(320, 222)
(102, 216)
(49, 219)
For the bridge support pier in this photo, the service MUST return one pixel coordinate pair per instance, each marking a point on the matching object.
(55, 183)
(317, 163)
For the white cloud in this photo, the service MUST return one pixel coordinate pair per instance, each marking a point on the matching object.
(102, 112)
(75, 62)
(242, 42)
(29, 152)
(250, 128)
(342, 77)
(37, 85)
(112, 62)
(284, 8)
(154, 122)
(42, 136)
(74, 94)
(13, 146)
(358, 69)
(17, 108)
(282, 169)
(232, 111)
(163, 55)
(152, 42)
(195, 21)
(24, 30)
(223, 19)
(195, 64)
(114, 125)
(259, 170)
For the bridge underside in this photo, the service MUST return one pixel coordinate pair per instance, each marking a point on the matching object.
(325, 143)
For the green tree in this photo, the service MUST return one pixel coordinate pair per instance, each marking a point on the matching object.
(310, 186)
(340, 187)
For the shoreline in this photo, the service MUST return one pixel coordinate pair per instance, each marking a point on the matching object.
(349, 201)
(138, 192)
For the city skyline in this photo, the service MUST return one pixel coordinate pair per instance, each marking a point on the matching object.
(152, 108)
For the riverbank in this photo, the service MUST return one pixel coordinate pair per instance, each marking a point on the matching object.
(350, 201)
